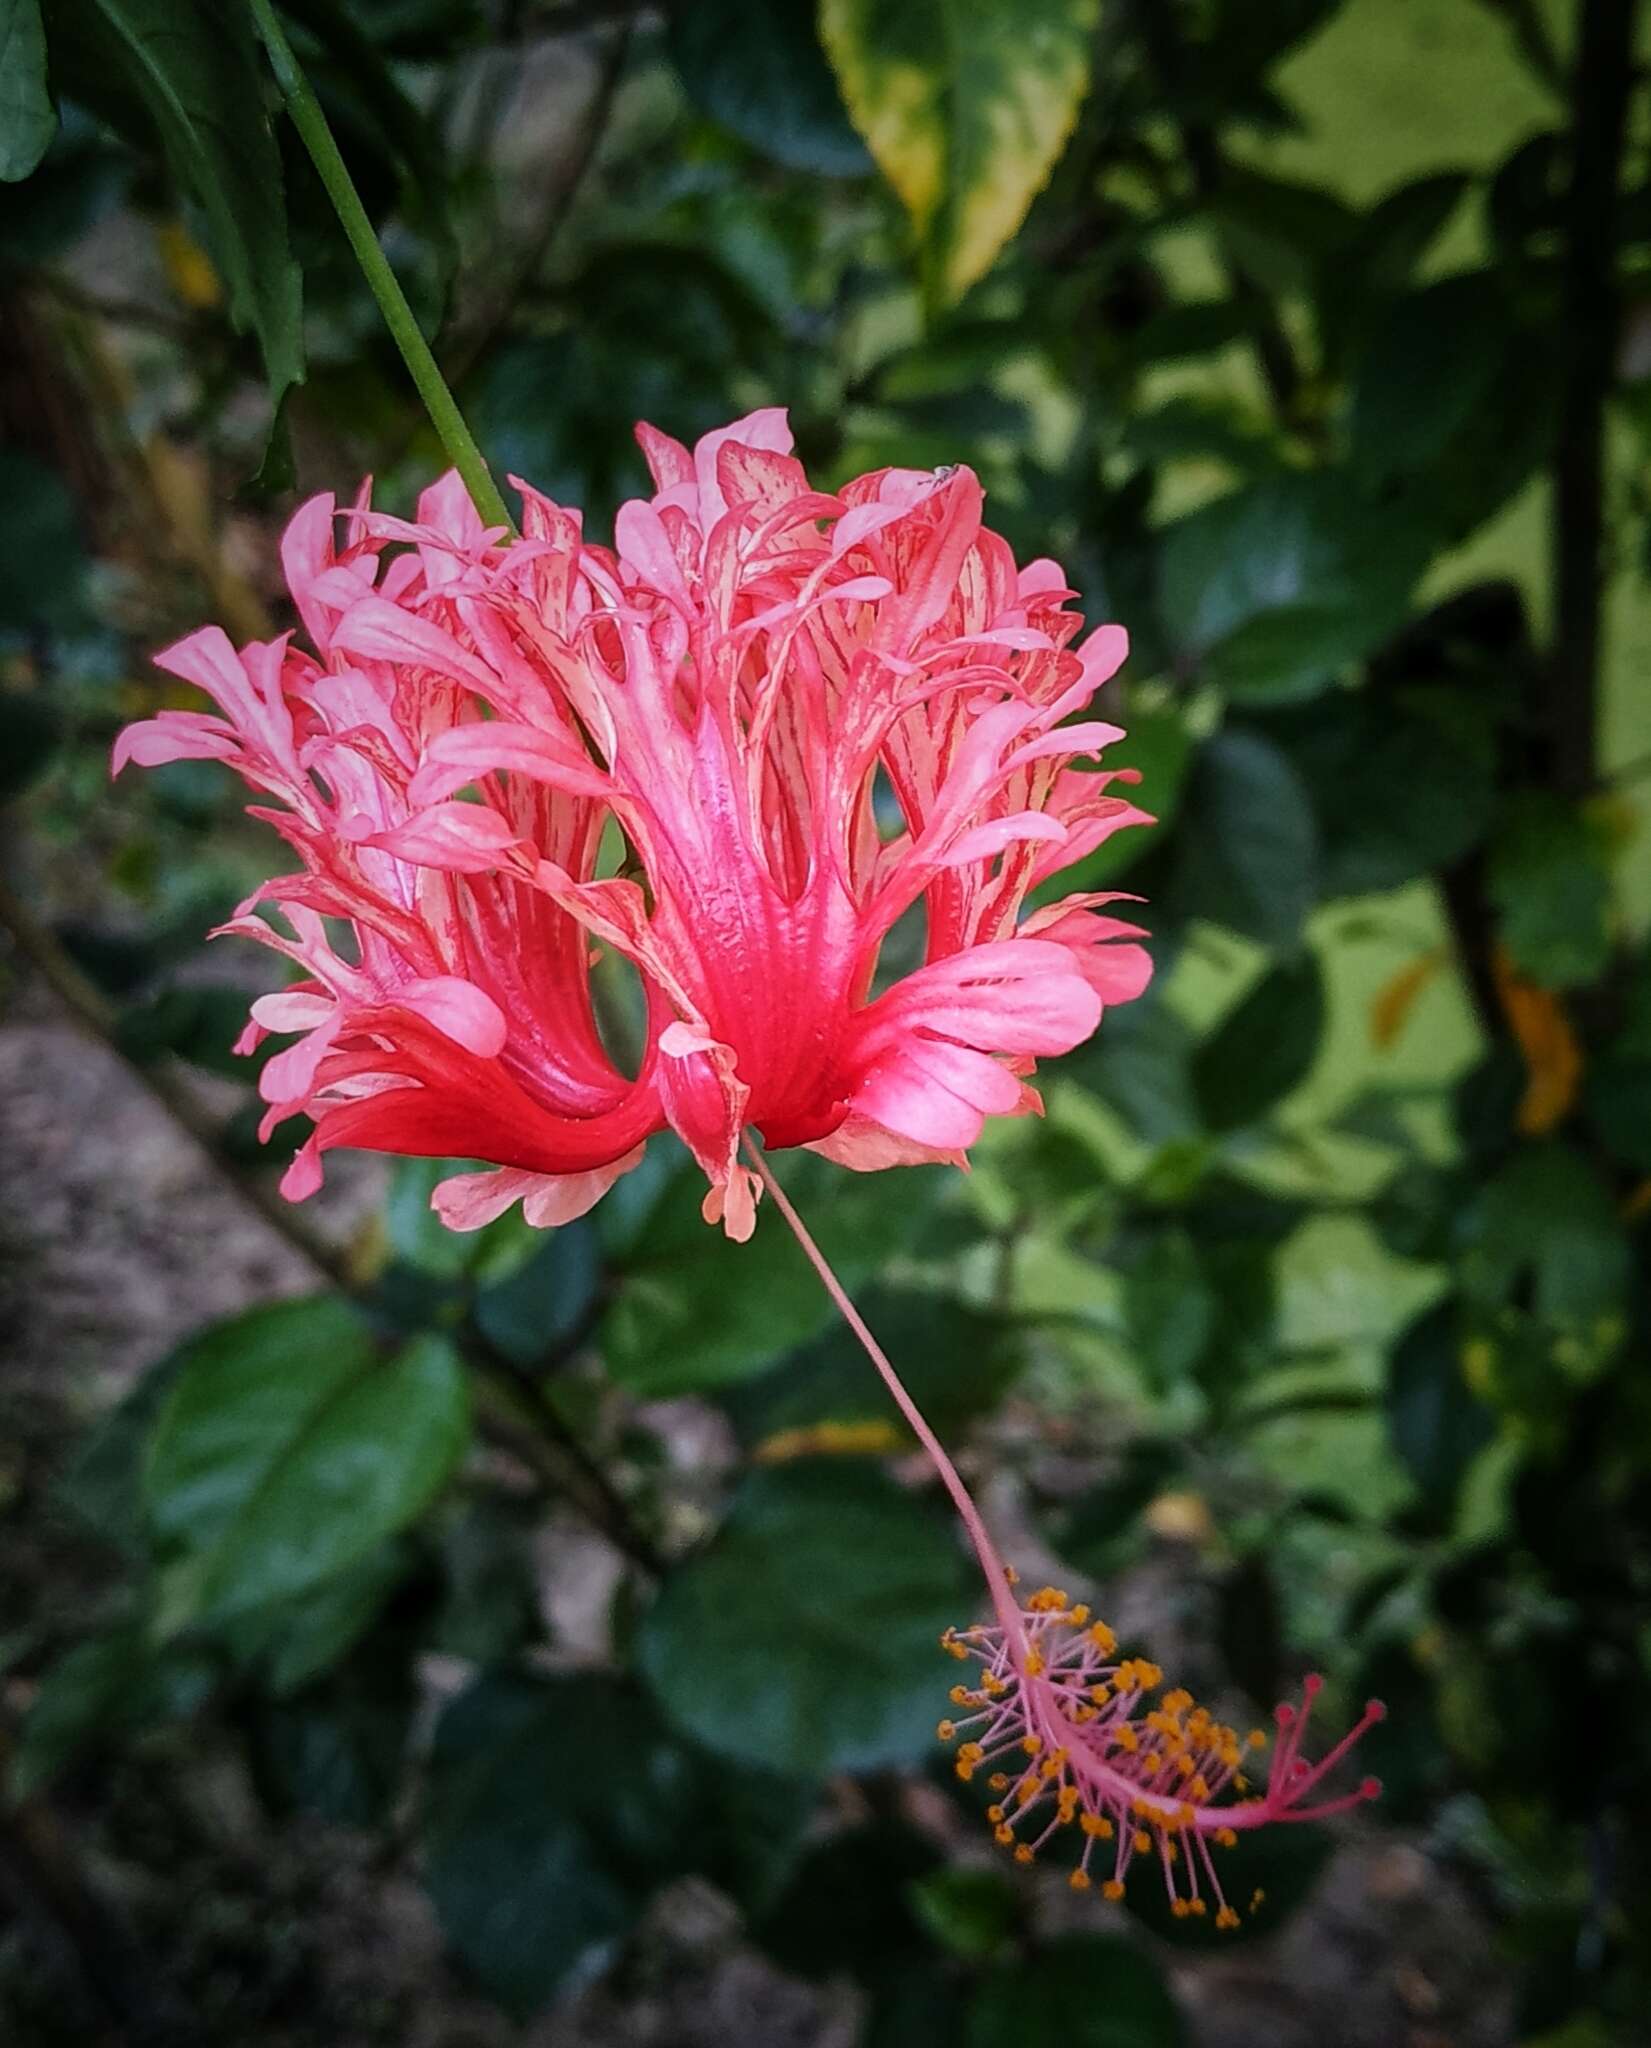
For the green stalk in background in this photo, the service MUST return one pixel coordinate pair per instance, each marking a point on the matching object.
(439, 402)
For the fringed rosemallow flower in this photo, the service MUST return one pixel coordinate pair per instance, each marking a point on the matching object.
(501, 757)
(736, 749)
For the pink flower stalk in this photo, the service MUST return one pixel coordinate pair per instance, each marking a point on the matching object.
(1063, 1727)
(500, 758)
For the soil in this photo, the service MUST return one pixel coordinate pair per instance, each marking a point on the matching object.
(116, 1239)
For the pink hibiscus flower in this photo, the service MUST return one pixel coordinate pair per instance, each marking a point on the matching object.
(736, 748)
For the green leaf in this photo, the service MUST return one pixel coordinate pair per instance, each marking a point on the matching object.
(42, 562)
(194, 1021)
(289, 1448)
(1402, 784)
(851, 1904)
(1281, 233)
(693, 1311)
(1399, 230)
(336, 1750)
(103, 1481)
(1169, 1308)
(1544, 1237)
(1264, 1048)
(1095, 1988)
(548, 1299)
(1247, 853)
(28, 120)
(1140, 1063)
(520, 1861)
(193, 65)
(29, 733)
(555, 1806)
(758, 68)
(1286, 581)
(957, 1363)
(1549, 877)
(1428, 365)
(297, 1640)
(1619, 1108)
(1434, 1421)
(803, 1636)
(110, 1683)
(966, 105)
(973, 1914)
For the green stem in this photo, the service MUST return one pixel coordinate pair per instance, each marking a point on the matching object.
(439, 403)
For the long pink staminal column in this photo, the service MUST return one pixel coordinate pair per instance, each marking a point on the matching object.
(736, 748)
(1053, 1700)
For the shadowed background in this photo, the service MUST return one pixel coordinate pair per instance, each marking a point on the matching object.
(1307, 1329)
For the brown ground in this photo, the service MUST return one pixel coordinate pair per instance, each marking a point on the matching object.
(115, 1239)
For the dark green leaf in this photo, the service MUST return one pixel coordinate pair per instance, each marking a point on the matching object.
(490, 1604)
(42, 562)
(1247, 855)
(1619, 1106)
(548, 1299)
(521, 1861)
(957, 1363)
(920, 2005)
(757, 67)
(1140, 1063)
(193, 66)
(196, 1021)
(299, 1639)
(28, 119)
(803, 1636)
(1399, 230)
(1095, 1988)
(1402, 784)
(1434, 1422)
(1544, 1237)
(108, 1684)
(1199, 327)
(1287, 581)
(103, 1482)
(289, 1448)
(1264, 1048)
(1428, 365)
(1550, 880)
(556, 1805)
(693, 1311)
(1168, 1308)
(336, 1749)
(973, 1914)
(29, 733)
(851, 1904)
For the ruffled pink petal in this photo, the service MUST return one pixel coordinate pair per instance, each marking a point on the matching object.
(469, 1201)
(174, 736)
(462, 839)
(866, 1147)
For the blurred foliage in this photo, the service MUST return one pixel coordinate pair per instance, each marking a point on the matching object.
(1322, 1277)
